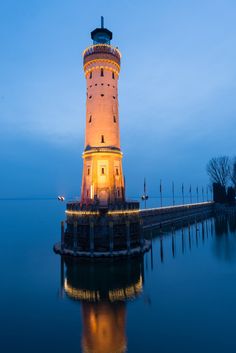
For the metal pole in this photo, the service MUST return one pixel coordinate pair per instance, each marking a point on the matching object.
(183, 193)
(144, 192)
(161, 192)
(173, 193)
(161, 250)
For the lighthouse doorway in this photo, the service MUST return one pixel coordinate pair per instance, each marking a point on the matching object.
(103, 197)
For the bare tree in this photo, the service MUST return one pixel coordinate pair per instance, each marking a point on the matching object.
(233, 174)
(219, 170)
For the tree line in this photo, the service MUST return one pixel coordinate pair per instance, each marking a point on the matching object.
(222, 173)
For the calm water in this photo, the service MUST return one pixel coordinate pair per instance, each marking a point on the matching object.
(181, 297)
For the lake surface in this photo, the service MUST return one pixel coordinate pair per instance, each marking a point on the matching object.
(180, 297)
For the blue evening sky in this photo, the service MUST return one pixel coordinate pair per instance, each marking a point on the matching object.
(177, 90)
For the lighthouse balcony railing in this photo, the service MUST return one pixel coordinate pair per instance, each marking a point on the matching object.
(102, 49)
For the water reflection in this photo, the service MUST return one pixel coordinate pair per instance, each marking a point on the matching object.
(103, 288)
(224, 246)
(180, 240)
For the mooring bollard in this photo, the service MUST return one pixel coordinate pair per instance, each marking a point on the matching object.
(141, 234)
(62, 235)
(62, 278)
(91, 237)
(75, 236)
(111, 236)
(128, 236)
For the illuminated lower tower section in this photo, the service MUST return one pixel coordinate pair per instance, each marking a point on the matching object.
(103, 181)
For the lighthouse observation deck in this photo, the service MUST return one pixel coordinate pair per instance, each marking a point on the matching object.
(101, 52)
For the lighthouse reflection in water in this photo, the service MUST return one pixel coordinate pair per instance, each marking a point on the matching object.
(103, 288)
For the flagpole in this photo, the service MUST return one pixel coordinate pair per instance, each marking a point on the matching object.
(161, 192)
(173, 193)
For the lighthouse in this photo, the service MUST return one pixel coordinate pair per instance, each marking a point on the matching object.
(102, 181)
(102, 223)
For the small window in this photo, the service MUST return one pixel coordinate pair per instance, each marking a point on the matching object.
(102, 139)
(90, 74)
(108, 84)
(103, 171)
(90, 119)
(113, 75)
(90, 97)
(88, 171)
(114, 118)
(102, 84)
(102, 72)
(102, 95)
(117, 171)
(114, 97)
(90, 86)
(96, 84)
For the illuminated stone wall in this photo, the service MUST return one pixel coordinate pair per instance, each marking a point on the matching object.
(102, 170)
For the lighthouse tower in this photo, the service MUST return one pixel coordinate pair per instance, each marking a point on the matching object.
(103, 181)
(103, 222)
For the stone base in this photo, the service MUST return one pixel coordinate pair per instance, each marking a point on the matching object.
(61, 250)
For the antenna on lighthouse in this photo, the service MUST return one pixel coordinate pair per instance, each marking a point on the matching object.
(102, 22)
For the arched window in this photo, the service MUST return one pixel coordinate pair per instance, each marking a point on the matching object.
(102, 72)
(88, 171)
(102, 139)
(102, 170)
(114, 118)
(90, 119)
(117, 171)
(113, 75)
(90, 74)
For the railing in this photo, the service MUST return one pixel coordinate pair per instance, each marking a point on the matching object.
(102, 49)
